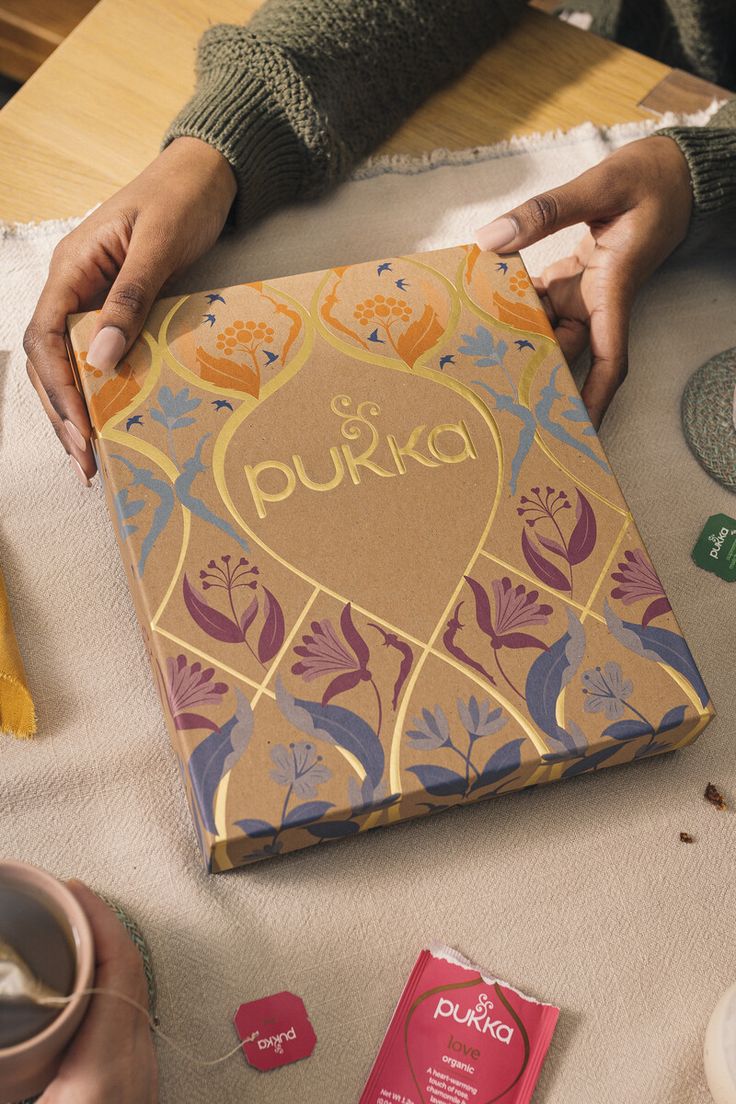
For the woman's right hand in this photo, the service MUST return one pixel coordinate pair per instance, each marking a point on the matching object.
(119, 258)
(111, 1059)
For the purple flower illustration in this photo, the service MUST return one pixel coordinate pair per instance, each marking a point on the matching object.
(638, 580)
(187, 686)
(229, 578)
(232, 627)
(543, 511)
(323, 652)
(514, 608)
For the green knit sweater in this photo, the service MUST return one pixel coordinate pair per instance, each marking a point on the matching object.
(299, 95)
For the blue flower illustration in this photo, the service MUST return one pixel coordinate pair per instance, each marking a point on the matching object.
(606, 690)
(299, 767)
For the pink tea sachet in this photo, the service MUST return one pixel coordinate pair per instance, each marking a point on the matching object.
(275, 1031)
(459, 1036)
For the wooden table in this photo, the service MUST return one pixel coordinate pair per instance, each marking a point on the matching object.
(92, 116)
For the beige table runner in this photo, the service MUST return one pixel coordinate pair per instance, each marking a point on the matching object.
(579, 893)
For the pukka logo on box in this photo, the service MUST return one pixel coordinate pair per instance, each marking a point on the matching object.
(478, 1017)
(275, 1031)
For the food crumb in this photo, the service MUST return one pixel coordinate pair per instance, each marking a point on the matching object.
(685, 837)
(715, 797)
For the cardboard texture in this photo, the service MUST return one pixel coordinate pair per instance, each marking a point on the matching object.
(377, 553)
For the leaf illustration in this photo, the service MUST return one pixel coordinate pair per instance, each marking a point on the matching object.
(338, 726)
(590, 762)
(116, 393)
(504, 761)
(544, 570)
(272, 633)
(646, 750)
(660, 645)
(655, 609)
(353, 637)
(228, 373)
(552, 546)
(482, 607)
(628, 730)
(582, 541)
(248, 617)
(210, 620)
(439, 781)
(520, 640)
(215, 756)
(185, 721)
(302, 814)
(256, 829)
(550, 672)
(522, 316)
(341, 685)
(673, 718)
(333, 829)
(420, 336)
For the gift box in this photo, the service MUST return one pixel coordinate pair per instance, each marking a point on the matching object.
(377, 552)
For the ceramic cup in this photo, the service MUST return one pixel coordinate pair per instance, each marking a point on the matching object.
(43, 921)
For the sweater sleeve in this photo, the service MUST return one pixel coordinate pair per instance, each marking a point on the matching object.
(710, 152)
(294, 99)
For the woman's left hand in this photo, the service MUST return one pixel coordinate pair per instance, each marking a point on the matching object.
(637, 205)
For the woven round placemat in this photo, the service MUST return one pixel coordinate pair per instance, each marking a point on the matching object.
(708, 416)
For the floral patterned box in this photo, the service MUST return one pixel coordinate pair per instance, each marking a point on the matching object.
(379, 557)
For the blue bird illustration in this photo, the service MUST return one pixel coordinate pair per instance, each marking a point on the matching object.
(524, 344)
(183, 488)
(209, 318)
(374, 337)
(449, 358)
(213, 297)
(548, 397)
(222, 404)
(502, 266)
(270, 357)
(526, 433)
(385, 267)
(137, 419)
(401, 284)
(144, 477)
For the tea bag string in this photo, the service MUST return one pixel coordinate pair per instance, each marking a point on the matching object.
(203, 1063)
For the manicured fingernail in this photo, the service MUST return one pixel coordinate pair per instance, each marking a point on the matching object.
(74, 435)
(106, 349)
(79, 473)
(495, 235)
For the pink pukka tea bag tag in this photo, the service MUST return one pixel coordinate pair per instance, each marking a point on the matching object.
(458, 1035)
(275, 1031)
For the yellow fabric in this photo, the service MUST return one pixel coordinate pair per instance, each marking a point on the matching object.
(17, 713)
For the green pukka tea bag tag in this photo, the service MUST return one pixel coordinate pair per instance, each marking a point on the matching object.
(716, 547)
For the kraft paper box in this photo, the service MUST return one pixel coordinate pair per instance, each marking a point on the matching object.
(378, 554)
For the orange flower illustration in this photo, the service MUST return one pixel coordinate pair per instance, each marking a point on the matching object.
(383, 311)
(85, 367)
(246, 337)
(519, 282)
